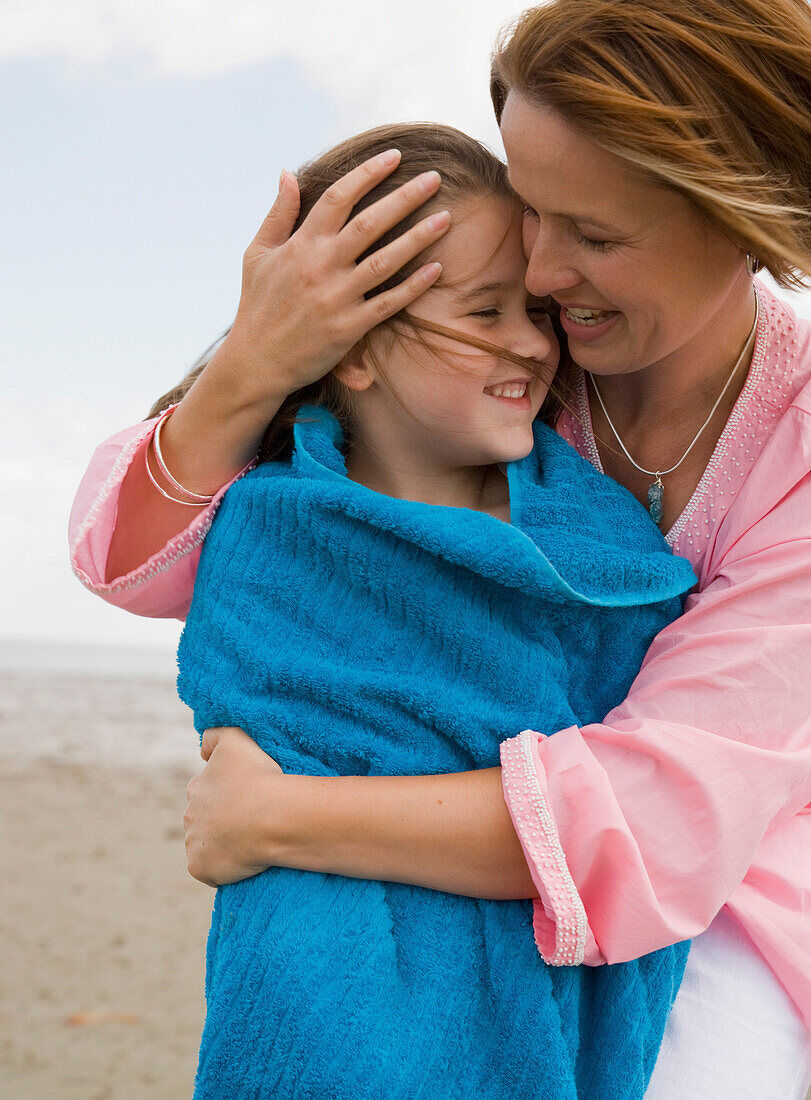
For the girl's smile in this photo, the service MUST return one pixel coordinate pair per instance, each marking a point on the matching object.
(514, 391)
(432, 410)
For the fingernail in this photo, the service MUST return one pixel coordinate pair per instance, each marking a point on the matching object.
(429, 181)
(281, 178)
(438, 221)
(434, 269)
(391, 156)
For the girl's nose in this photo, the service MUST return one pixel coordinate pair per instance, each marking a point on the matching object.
(535, 339)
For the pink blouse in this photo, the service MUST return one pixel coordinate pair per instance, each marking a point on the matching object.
(695, 792)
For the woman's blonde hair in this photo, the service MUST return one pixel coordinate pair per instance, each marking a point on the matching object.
(711, 97)
(469, 171)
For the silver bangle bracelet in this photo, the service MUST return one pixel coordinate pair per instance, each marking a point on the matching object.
(163, 493)
(199, 498)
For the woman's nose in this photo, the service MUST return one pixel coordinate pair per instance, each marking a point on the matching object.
(549, 270)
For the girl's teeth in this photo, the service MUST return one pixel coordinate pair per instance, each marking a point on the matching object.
(588, 316)
(507, 391)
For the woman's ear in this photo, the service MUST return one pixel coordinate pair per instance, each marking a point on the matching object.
(354, 372)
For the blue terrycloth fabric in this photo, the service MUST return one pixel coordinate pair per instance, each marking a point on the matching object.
(352, 633)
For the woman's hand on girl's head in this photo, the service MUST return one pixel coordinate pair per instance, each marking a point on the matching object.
(302, 306)
(229, 810)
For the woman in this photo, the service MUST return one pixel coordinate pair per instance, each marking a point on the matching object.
(662, 153)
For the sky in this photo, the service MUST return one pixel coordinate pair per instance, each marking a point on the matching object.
(143, 143)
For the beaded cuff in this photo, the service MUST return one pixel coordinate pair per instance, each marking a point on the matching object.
(560, 924)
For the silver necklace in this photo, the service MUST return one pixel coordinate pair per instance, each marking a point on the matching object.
(656, 490)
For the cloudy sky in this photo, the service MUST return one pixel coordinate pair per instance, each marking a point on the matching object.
(142, 146)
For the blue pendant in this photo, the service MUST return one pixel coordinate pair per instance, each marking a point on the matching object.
(656, 492)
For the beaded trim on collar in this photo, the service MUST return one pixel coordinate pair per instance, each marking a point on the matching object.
(760, 403)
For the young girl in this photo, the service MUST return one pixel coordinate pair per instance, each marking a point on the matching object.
(419, 567)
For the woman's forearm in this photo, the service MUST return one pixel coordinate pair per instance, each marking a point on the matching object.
(214, 432)
(447, 832)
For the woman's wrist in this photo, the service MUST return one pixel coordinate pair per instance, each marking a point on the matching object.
(240, 385)
(217, 428)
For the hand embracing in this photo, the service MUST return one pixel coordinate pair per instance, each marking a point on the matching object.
(232, 820)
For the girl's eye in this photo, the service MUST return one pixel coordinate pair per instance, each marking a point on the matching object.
(541, 307)
(590, 242)
(485, 313)
(529, 212)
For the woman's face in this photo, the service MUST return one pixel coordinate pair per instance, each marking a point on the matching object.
(640, 276)
(452, 403)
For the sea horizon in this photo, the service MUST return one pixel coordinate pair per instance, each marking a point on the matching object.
(155, 662)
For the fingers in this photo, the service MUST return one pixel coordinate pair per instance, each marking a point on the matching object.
(384, 263)
(383, 306)
(370, 224)
(330, 213)
(280, 219)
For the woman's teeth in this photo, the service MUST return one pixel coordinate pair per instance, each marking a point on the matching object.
(512, 389)
(589, 316)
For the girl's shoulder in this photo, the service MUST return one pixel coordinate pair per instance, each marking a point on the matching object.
(318, 445)
(601, 540)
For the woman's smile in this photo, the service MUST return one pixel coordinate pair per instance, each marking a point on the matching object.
(587, 326)
(671, 277)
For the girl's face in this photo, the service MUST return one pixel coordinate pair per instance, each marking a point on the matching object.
(448, 403)
(638, 273)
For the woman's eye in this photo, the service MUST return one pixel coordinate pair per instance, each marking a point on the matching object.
(590, 242)
(485, 313)
(529, 212)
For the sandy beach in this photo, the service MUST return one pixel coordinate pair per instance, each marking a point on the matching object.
(102, 931)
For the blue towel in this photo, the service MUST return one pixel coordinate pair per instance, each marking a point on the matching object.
(351, 633)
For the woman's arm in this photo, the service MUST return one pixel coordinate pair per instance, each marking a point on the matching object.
(161, 586)
(208, 440)
(636, 830)
(302, 307)
(447, 832)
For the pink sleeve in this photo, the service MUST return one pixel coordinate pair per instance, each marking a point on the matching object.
(161, 587)
(637, 829)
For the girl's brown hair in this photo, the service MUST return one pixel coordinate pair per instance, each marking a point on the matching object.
(711, 97)
(469, 171)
